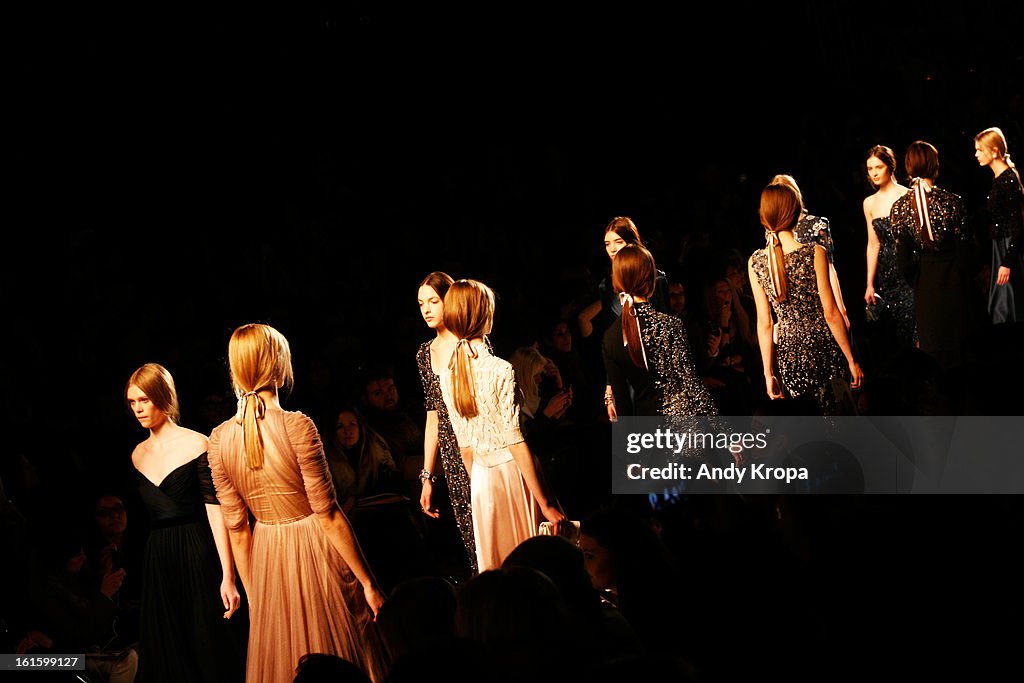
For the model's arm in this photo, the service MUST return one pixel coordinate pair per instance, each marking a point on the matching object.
(241, 546)
(837, 293)
(534, 481)
(616, 392)
(746, 330)
(430, 441)
(218, 527)
(872, 257)
(586, 316)
(339, 532)
(765, 337)
(833, 317)
(1016, 222)
(467, 458)
(228, 590)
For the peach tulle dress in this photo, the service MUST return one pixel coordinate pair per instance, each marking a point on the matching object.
(303, 597)
(505, 512)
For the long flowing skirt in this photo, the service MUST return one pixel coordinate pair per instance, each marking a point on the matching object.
(305, 599)
(1006, 302)
(505, 512)
(183, 635)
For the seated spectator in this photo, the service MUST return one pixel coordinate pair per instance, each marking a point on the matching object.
(317, 667)
(383, 412)
(601, 632)
(520, 617)
(724, 358)
(111, 547)
(419, 614)
(545, 419)
(78, 617)
(629, 564)
(359, 458)
(366, 482)
(557, 343)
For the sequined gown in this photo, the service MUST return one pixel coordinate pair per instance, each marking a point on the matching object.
(670, 385)
(183, 634)
(890, 285)
(505, 513)
(455, 475)
(807, 355)
(815, 230)
(1006, 225)
(303, 597)
(938, 272)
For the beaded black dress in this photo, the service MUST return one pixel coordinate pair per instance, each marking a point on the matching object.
(455, 476)
(670, 384)
(938, 270)
(896, 294)
(1006, 225)
(183, 634)
(807, 355)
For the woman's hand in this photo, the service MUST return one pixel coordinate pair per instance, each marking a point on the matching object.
(112, 582)
(425, 495)
(726, 313)
(714, 343)
(869, 295)
(774, 388)
(556, 517)
(558, 405)
(551, 370)
(856, 375)
(1002, 276)
(374, 598)
(229, 596)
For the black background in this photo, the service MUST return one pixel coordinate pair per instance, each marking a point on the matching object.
(178, 172)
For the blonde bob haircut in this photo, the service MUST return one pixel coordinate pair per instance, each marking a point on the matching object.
(259, 358)
(468, 314)
(156, 383)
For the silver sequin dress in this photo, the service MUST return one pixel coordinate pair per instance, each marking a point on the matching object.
(807, 355)
(454, 469)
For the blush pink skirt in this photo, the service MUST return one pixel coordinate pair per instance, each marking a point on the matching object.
(504, 512)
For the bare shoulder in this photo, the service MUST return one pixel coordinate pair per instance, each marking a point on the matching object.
(140, 452)
(193, 439)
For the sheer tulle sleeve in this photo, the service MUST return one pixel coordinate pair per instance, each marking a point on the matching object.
(426, 376)
(236, 514)
(507, 418)
(309, 451)
(206, 487)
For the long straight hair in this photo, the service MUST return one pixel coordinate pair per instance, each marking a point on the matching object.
(633, 272)
(468, 314)
(259, 358)
(780, 210)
